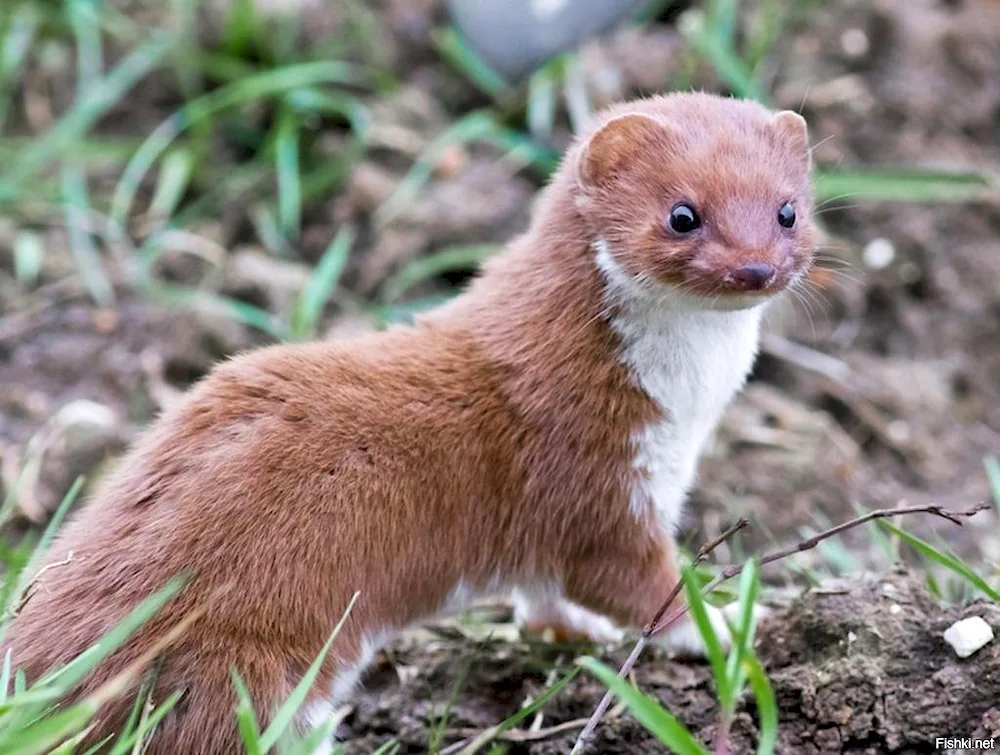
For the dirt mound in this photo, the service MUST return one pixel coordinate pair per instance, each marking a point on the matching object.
(857, 666)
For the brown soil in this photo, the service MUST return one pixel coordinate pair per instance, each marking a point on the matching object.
(856, 667)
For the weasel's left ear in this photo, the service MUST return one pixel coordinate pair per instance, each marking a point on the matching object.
(793, 130)
(621, 141)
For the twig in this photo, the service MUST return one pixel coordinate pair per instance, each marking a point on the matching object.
(512, 735)
(840, 382)
(734, 570)
(518, 735)
(648, 631)
(808, 359)
(703, 552)
(29, 590)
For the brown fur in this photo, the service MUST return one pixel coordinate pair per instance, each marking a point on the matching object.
(492, 438)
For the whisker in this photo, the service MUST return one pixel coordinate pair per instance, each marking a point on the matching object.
(836, 208)
(834, 198)
(839, 276)
(821, 142)
(805, 96)
(807, 308)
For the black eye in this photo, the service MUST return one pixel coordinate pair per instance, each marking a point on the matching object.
(786, 215)
(683, 218)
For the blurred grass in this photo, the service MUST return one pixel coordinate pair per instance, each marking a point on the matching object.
(257, 70)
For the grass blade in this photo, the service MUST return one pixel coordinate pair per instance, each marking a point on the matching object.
(14, 51)
(950, 562)
(541, 106)
(246, 717)
(283, 718)
(171, 184)
(269, 231)
(92, 105)
(286, 155)
(902, 184)
(29, 254)
(992, 465)
(479, 125)
(657, 720)
(21, 580)
(84, 17)
(472, 126)
(713, 648)
(744, 629)
(48, 732)
(136, 739)
(528, 710)
(719, 52)
(77, 211)
(456, 51)
(249, 89)
(321, 285)
(5, 677)
(767, 706)
(437, 263)
(207, 302)
(316, 739)
(241, 28)
(64, 679)
(406, 311)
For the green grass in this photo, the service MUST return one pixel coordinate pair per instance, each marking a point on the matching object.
(950, 561)
(732, 673)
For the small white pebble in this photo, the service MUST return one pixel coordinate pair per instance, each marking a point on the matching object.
(898, 431)
(968, 635)
(851, 637)
(878, 254)
(854, 43)
(894, 609)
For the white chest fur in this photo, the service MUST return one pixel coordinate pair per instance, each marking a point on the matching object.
(691, 362)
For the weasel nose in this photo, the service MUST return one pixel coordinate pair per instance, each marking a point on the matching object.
(753, 277)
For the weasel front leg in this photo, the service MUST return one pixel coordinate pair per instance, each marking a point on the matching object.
(548, 614)
(629, 589)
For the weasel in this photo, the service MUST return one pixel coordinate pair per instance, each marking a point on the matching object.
(539, 432)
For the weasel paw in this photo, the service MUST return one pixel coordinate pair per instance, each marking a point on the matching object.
(556, 619)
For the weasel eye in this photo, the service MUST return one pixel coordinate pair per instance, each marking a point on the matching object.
(683, 218)
(786, 215)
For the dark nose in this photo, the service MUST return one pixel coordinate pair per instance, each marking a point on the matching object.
(752, 277)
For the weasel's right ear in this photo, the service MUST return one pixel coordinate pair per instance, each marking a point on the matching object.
(618, 143)
(792, 127)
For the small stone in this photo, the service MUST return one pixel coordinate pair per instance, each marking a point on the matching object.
(968, 635)
(898, 431)
(879, 253)
(894, 609)
(854, 43)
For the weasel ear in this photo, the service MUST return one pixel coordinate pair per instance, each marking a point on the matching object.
(621, 141)
(793, 129)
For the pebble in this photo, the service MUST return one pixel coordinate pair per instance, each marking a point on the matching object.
(879, 254)
(968, 635)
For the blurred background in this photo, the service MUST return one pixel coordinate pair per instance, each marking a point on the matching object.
(182, 180)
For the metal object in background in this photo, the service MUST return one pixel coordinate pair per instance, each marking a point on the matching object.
(516, 36)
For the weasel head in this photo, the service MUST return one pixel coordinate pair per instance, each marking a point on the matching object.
(700, 200)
